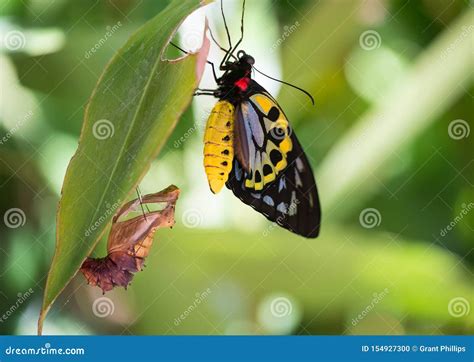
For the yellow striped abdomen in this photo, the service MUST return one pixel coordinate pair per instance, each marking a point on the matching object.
(219, 145)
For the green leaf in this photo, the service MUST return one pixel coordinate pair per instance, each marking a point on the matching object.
(133, 110)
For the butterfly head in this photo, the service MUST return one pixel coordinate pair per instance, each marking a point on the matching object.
(243, 63)
(245, 60)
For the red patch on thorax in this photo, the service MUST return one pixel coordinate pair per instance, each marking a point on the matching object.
(243, 83)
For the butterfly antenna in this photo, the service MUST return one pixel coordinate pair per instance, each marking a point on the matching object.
(233, 49)
(225, 25)
(289, 84)
(242, 20)
(241, 26)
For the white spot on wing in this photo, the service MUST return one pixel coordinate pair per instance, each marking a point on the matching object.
(282, 184)
(282, 207)
(268, 200)
(298, 178)
(293, 204)
(299, 164)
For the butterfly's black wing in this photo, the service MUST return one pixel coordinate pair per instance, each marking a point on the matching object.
(270, 172)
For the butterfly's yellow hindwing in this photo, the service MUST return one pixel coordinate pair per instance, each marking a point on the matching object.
(218, 145)
(277, 132)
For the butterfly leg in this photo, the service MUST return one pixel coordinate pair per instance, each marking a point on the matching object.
(139, 194)
(241, 30)
(230, 52)
(213, 70)
(207, 61)
(203, 94)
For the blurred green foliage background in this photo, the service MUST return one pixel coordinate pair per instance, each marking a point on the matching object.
(390, 141)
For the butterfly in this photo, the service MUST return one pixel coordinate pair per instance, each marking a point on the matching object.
(250, 146)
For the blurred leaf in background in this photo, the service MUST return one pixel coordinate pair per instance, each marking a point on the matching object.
(390, 139)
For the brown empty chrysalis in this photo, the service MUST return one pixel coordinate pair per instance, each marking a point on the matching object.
(130, 240)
